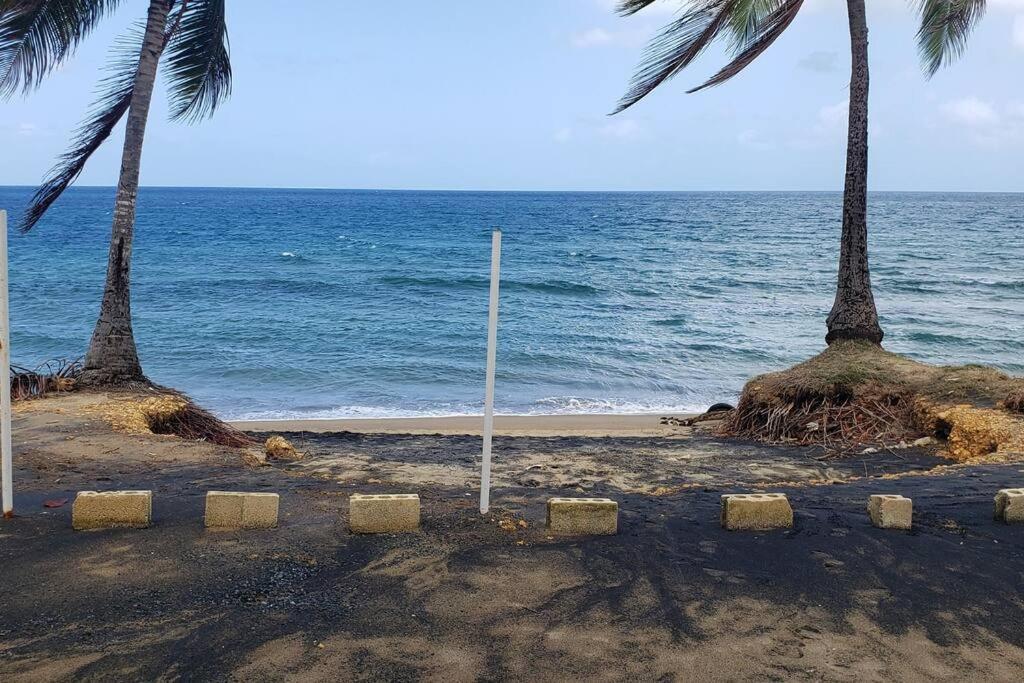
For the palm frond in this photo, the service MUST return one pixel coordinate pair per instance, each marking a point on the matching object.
(38, 35)
(766, 33)
(676, 46)
(945, 27)
(627, 7)
(114, 100)
(198, 63)
(745, 19)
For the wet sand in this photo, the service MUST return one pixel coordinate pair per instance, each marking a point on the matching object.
(595, 425)
(672, 596)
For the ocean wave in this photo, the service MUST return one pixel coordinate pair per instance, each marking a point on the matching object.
(554, 405)
(479, 283)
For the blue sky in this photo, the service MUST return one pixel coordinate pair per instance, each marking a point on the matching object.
(514, 95)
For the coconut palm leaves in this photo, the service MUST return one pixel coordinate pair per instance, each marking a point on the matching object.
(116, 94)
(749, 27)
(197, 62)
(37, 35)
(945, 27)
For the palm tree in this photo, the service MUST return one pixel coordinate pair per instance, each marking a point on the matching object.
(36, 36)
(751, 26)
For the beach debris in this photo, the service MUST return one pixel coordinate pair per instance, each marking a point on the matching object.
(718, 411)
(279, 448)
(511, 524)
(254, 457)
(1014, 402)
(924, 441)
(55, 502)
(53, 376)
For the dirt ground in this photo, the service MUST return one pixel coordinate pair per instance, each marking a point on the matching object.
(672, 596)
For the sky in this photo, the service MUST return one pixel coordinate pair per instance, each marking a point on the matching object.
(515, 95)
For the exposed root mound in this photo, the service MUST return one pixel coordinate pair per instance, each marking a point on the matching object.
(1014, 402)
(856, 393)
(973, 432)
(172, 413)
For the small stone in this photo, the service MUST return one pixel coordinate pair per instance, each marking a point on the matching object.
(890, 511)
(278, 448)
(869, 450)
(924, 441)
(812, 426)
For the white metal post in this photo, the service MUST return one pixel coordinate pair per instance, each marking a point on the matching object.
(5, 377)
(492, 343)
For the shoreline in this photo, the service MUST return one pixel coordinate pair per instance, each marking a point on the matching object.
(578, 424)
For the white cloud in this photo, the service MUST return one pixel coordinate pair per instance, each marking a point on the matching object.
(985, 123)
(970, 111)
(833, 116)
(1018, 31)
(622, 129)
(633, 36)
(591, 38)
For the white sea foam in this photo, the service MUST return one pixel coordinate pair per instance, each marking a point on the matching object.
(555, 405)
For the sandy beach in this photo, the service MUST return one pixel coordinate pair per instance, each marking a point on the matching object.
(590, 425)
(672, 596)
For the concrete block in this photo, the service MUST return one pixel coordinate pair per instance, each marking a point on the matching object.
(890, 511)
(108, 509)
(238, 510)
(1010, 506)
(583, 516)
(756, 511)
(383, 513)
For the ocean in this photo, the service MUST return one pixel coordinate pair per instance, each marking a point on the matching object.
(264, 303)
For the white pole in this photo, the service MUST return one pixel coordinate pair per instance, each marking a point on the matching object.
(492, 344)
(5, 376)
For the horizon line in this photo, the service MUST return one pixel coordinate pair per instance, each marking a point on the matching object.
(510, 190)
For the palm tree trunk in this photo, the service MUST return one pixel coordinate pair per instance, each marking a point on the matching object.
(112, 357)
(853, 314)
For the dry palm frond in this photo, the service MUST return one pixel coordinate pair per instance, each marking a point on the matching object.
(51, 377)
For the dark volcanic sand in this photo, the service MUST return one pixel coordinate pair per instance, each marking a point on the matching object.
(671, 597)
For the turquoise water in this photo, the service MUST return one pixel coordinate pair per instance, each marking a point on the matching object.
(317, 303)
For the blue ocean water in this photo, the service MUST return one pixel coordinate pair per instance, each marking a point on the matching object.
(321, 303)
